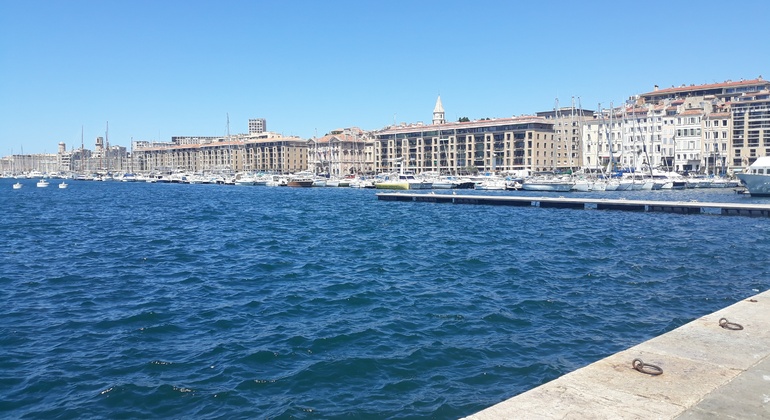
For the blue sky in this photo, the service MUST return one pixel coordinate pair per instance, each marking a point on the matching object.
(161, 68)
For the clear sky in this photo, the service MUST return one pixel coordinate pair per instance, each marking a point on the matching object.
(160, 68)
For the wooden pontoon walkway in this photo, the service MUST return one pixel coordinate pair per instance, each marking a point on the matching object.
(680, 207)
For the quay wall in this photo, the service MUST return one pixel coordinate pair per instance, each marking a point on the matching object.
(717, 366)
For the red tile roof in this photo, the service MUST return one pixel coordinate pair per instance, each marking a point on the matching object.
(706, 86)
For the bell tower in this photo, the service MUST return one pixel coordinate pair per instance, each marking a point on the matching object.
(438, 112)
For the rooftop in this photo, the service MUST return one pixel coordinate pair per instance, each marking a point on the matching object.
(691, 88)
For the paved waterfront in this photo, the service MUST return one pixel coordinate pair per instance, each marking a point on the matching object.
(708, 372)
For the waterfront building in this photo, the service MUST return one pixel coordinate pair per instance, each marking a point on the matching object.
(716, 142)
(688, 140)
(348, 151)
(99, 147)
(65, 158)
(601, 140)
(17, 164)
(733, 111)
(241, 152)
(488, 145)
(750, 129)
(725, 91)
(569, 123)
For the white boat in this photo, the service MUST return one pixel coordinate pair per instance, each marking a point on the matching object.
(491, 184)
(443, 184)
(402, 181)
(611, 184)
(361, 183)
(245, 180)
(63, 185)
(757, 177)
(547, 182)
(391, 182)
(17, 186)
(42, 183)
(582, 184)
(277, 181)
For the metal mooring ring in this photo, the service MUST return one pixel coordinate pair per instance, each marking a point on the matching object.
(724, 323)
(648, 369)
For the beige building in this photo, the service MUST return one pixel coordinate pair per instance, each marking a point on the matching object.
(568, 126)
(342, 152)
(750, 129)
(489, 145)
(258, 152)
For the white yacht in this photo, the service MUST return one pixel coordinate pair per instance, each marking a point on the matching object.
(42, 183)
(757, 177)
(547, 181)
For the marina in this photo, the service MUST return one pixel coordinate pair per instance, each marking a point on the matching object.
(681, 207)
(185, 300)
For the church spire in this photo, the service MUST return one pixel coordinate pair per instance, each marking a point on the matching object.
(438, 112)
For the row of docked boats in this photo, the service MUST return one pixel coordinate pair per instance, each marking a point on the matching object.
(756, 179)
(551, 182)
(657, 180)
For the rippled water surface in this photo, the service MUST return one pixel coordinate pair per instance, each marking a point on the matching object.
(163, 300)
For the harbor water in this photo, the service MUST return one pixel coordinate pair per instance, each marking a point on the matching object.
(137, 300)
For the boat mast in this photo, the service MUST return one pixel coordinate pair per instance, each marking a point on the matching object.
(107, 146)
(556, 121)
(82, 150)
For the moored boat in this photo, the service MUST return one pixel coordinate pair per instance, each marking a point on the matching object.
(300, 180)
(391, 182)
(547, 182)
(757, 177)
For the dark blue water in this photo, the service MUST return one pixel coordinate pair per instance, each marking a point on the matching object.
(126, 300)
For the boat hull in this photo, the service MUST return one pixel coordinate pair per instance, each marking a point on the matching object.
(548, 187)
(758, 185)
(391, 185)
(302, 184)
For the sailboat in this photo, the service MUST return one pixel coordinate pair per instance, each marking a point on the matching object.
(17, 185)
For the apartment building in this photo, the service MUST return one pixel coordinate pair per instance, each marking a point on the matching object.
(242, 152)
(750, 129)
(488, 145)
(718, 127)
(257, 125)
(342, 152)
(568, 126)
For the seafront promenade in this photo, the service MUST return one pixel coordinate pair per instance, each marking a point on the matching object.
(717, 366)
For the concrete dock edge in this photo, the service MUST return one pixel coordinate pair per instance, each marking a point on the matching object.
(708, 372)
